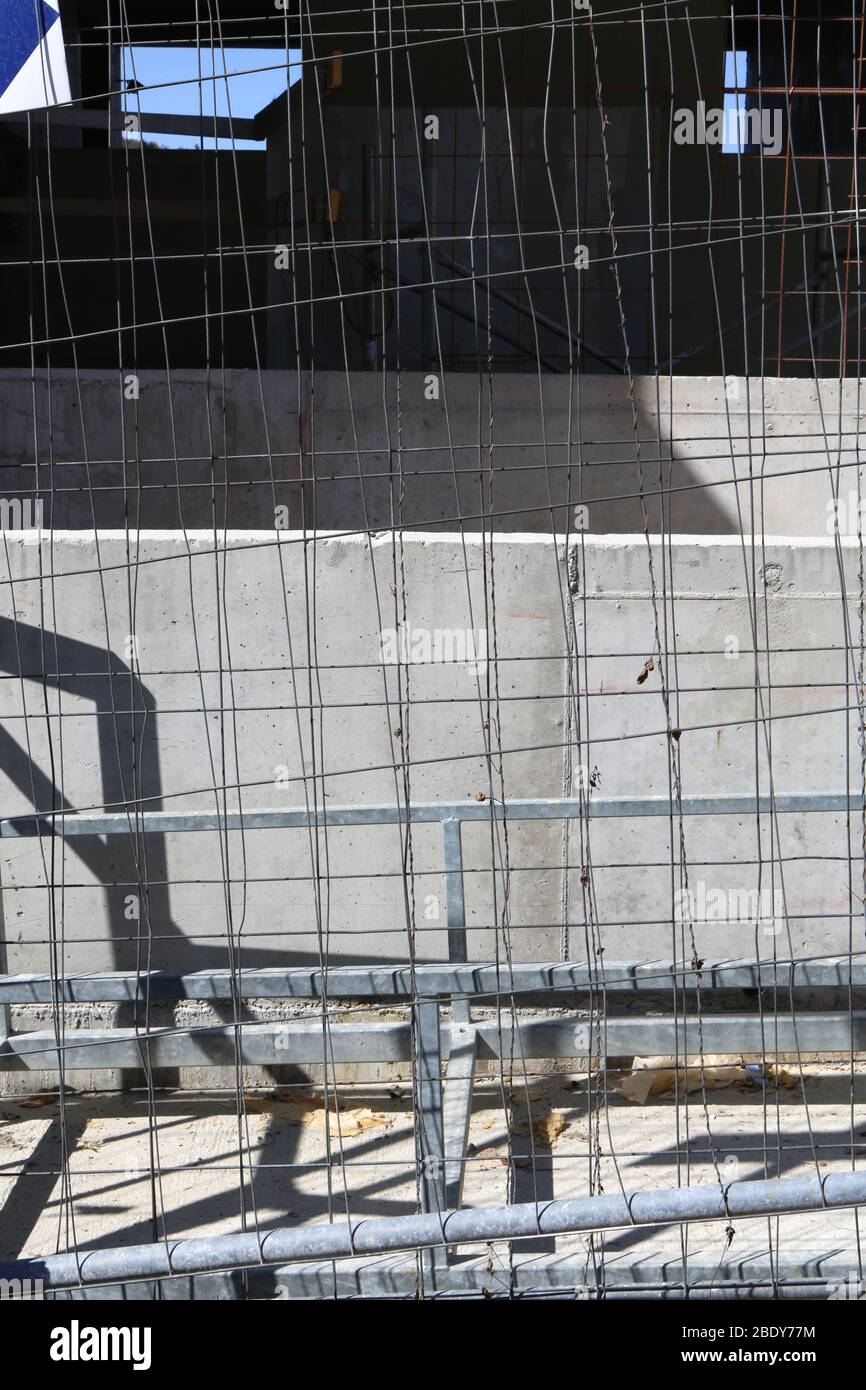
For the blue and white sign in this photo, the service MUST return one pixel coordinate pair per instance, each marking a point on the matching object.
(32, 57)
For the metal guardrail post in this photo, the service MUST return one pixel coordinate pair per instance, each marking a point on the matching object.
(459, 1081)
(5, 1025)
(430, 1120)
(455, 905)
(462, 1056)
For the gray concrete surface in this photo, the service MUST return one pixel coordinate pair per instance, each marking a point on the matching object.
(195, 728)
(355, 450)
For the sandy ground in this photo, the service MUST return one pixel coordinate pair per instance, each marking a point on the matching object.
(198, 1152)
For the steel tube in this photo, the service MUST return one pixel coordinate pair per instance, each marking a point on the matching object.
(380, 1235)
(563, 808)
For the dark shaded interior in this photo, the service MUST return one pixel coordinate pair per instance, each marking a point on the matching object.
(455, 252)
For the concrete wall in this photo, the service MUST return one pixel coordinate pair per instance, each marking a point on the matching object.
(259, 607)
(355, 451)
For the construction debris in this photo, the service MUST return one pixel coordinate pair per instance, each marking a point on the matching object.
(310, 1109)
(660, 1076)
(545, 1125)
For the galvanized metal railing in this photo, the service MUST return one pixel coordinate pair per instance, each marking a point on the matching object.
(452, 1047)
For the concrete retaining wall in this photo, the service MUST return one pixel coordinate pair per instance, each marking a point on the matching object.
(352, 451)
(215, 702)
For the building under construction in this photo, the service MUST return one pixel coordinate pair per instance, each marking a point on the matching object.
(433, 629)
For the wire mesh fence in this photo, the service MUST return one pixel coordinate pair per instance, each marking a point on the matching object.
(432, 611)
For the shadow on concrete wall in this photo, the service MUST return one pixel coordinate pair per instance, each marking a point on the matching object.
(359, 451)
(131, 862)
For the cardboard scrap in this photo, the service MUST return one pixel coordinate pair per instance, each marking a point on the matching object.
(547, 1128)
(546, 1125)
(658, 1076)
(781, 1076)
(308, 1108)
